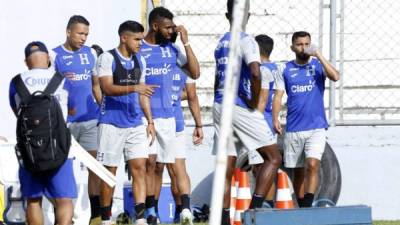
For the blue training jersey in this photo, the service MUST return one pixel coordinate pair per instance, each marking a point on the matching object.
(179, 81)
(121, 111)
(305, 86)
(80, 65)
(272, 70)
(162, 61)
(249, 52)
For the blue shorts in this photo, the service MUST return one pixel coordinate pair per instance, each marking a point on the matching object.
(60, 184)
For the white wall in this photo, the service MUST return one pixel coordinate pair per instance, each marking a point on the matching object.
(23, 21)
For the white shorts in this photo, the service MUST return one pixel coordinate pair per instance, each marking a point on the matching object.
(180, 145)
(165, 137)
(113, 141)
(85, 133)
(300, 145)
(247, 137)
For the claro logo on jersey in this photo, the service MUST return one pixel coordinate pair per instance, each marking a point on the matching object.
(303, 88)
(81, 76)
(158, 71)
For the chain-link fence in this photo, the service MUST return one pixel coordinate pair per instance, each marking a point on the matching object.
(366, 50)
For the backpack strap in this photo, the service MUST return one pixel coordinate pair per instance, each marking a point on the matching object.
(53, 84)
(21, 89)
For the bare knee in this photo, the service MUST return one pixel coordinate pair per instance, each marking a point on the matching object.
(312, 166)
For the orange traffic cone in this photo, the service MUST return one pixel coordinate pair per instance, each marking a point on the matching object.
(232, 207)
(283, 197)
(243, 196)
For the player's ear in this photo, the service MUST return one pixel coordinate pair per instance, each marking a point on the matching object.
(292, 48)
(154, 26)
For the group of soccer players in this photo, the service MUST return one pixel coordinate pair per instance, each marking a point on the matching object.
(127, 101)
(255, 121)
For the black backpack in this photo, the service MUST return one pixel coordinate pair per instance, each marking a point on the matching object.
(43, 139)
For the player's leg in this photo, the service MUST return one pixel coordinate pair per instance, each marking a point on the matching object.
(293, 153)
(138, 169)
(136, 154)
(150, 183)
(61, 188)
(266, 173)
(314, 149)
(175, 193)
(65, 211)
(230, 170)
(269, 197)
(88, 140)
(111, 144)
(34, 214)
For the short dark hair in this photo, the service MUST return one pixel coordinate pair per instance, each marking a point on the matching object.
(229, 6)
(298, 34)
(131, 26)
(266, 44)
(158, 13)
(77, 19)
(98, 49)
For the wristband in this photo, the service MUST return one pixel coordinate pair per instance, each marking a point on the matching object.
(200, 126)
(186, 44)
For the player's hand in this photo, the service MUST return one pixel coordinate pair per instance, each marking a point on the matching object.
(311, 50)
(69, 75)
(198, 135)
(183, 33)
(151, 132)
(277, 126)
(145, 89)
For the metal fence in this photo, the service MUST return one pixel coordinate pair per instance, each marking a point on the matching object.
(361, 37)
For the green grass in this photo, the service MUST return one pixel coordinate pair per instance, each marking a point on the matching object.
(385, 222)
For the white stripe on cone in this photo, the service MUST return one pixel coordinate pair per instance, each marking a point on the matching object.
(284, 194)
(244, 193)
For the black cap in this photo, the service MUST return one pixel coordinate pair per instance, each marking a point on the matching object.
(35, 46)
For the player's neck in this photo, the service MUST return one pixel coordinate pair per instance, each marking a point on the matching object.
(151, 38)
(264, 59)
(124, 52)
(302, 61)
(69, 47)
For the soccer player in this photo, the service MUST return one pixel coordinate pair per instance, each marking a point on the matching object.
(184, 88)
(268, 71)
(60, 185)
(76, 62)
(303, 80)
(248, 119)
(121, 131)
(162, 57)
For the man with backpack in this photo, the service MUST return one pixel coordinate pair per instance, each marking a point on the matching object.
(39, 99)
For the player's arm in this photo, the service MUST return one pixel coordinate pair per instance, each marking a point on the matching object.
(194, 106)
(329, 70)
(251, 55)
(96, 89)
(145, 104)
(192, 64)
(279, 86)
(11, 97)
(266, 76)
(276, 108)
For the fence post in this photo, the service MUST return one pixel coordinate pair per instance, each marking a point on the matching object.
(332, 59)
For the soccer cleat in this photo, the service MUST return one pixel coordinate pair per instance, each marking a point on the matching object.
(95, 221)
(186, 217)
(106, 222)
(140, 222)
(152, 220)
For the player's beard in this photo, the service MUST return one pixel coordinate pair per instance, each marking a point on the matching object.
(302, 56)
(160, 39)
